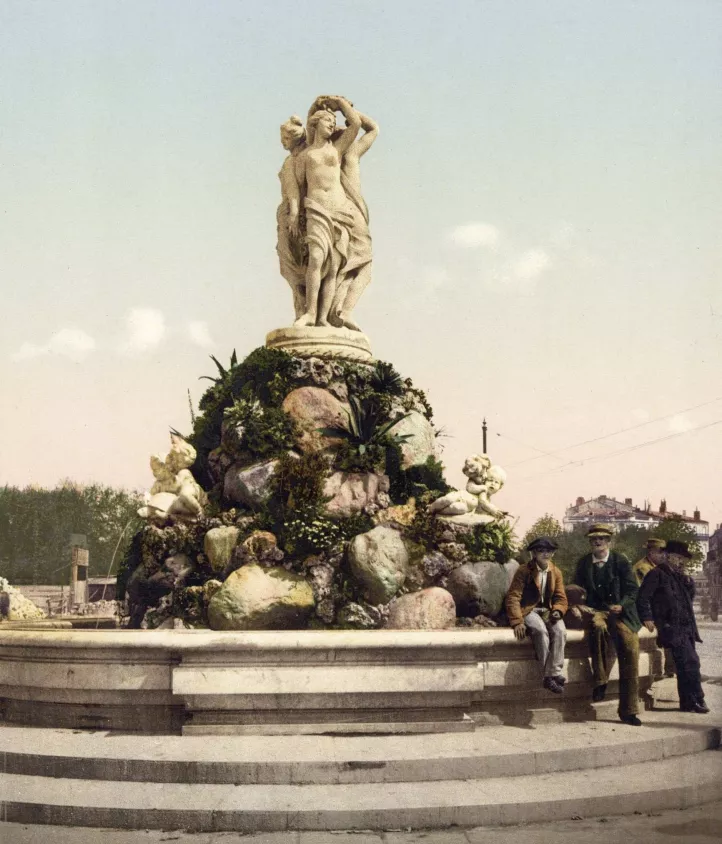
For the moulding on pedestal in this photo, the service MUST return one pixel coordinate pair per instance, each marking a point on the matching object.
(321, 342)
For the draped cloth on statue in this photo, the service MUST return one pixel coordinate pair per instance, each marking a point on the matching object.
(342, 234)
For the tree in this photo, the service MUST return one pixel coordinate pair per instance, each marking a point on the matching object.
(35, 528)
(674, 527)
(547, 525)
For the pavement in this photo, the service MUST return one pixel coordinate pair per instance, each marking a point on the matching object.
(697, 825)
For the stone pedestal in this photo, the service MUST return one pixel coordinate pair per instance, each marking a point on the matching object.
(316, 342)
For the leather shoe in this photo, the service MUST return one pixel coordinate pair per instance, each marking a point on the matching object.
(551, 684)
(598, 693)
(700, 707)
(632, 720)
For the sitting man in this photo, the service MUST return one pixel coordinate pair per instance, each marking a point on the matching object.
(665, 601)
(655, 555)
(611, 588)
(535, 604)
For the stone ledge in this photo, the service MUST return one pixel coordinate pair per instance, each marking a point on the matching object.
(320, 342)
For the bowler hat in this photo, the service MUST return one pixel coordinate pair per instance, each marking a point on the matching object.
(542, 543)
(600, 530)
(676, 546)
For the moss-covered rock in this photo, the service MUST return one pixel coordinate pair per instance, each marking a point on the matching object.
(219, 544)
(254, 598)
(378, 561)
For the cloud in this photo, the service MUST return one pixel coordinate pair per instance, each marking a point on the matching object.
(531, 265)
(199, 334)
(679, 424)
(72, 343)
(474, 235)
(146, 329)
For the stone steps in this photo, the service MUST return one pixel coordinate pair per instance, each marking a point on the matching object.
(279, 760)
(644, 787)
(495, 775)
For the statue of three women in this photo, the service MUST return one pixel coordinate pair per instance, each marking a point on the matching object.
(324, 245)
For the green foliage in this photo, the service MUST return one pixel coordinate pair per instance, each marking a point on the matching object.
(630, 541)
(299, 481)
(266, 374)
(385, 379)
(493, 542)
(308, 531)
(414, 396)
(425, 483)
(366, 436)
(673, 527)
(35, 528)
(426, 529)
(261, 431)
(223, 372)
(546, 525)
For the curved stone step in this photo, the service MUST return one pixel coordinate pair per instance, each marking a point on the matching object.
(645, 787)
(486, 753)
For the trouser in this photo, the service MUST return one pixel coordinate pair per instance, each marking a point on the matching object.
(669, 664)
(548, 640)
(689, 682)
(610, 634)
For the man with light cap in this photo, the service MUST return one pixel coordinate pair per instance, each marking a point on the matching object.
(535, 605)
(655, 556)
(611, 588)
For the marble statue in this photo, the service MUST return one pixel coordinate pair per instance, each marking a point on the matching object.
(175, 495)
(324, 245)
(473, 505)
(290, 246)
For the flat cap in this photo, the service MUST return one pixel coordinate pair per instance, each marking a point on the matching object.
(654, 542)
(601, 530)
(542, 543)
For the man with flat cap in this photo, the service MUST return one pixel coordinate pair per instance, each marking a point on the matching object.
(665, 602)
(655, 555)
(611, 588)
(535, 605)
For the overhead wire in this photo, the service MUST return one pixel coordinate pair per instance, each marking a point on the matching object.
(558, 451)
(584, 460)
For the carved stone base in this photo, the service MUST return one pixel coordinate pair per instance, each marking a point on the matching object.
(316, 342)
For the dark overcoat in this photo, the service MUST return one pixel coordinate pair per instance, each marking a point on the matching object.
(665, 597)
(614, 583)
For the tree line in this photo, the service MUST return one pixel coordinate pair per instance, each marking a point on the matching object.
(630, 541)
(36, 526)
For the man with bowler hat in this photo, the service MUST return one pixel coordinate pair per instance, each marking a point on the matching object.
(665, 602)
(535, 605)
(655, 555)
(611, 588)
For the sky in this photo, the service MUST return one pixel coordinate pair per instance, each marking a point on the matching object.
(546, 208)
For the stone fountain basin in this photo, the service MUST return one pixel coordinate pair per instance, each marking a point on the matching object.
(302, 681)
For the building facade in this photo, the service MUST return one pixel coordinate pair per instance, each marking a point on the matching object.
(624, 514)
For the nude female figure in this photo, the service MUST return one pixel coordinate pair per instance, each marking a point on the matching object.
(290, 247)
(334, 231)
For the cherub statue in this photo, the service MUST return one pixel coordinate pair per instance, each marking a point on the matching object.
(175, 495)
(473, 505)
